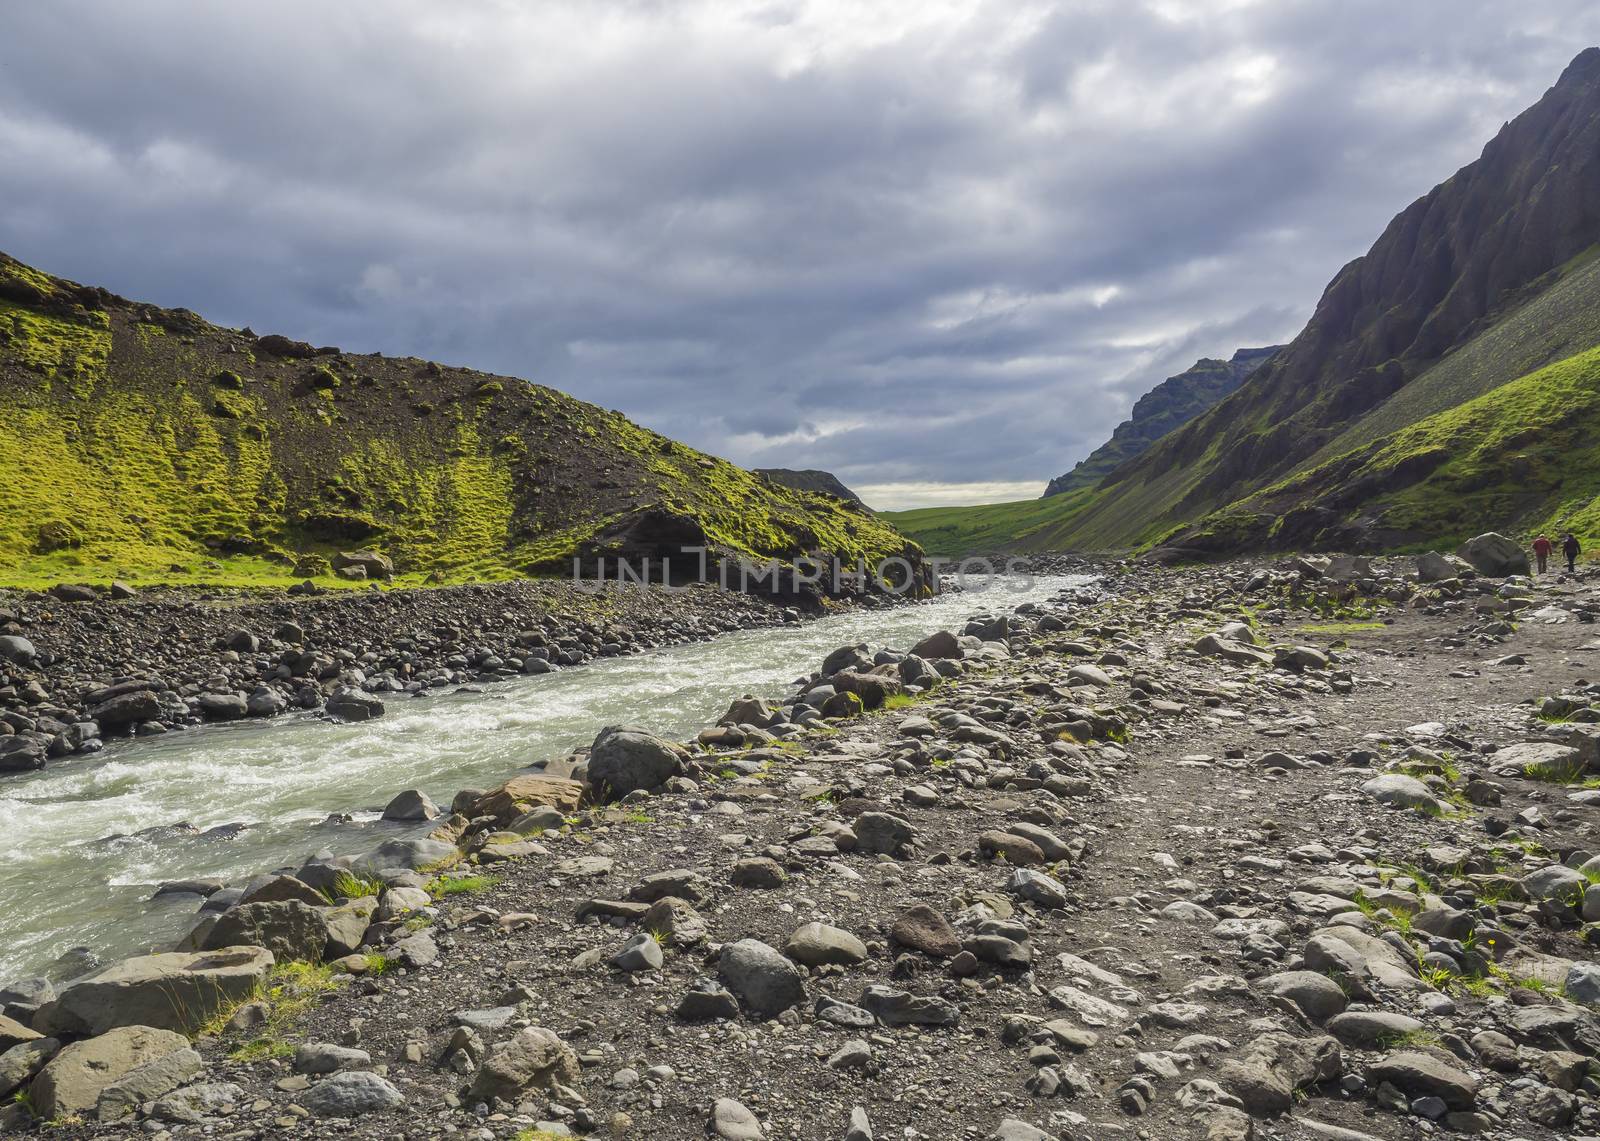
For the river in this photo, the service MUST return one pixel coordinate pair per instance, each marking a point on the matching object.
(64, 883)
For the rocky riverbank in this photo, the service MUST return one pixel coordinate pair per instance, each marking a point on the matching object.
(1298, 851)
(80, 665)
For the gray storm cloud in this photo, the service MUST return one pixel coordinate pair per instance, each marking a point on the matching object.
(918, 244)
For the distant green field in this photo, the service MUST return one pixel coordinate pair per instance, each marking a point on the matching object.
(984, 527)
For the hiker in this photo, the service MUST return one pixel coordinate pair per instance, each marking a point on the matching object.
(1570, 548)
(1542, 546)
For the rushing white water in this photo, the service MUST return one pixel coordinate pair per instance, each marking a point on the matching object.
(64, 884)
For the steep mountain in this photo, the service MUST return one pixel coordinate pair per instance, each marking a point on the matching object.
(1170, 404)
(1393, 417)
(145, 443)
(1434, 280)
(810, 479)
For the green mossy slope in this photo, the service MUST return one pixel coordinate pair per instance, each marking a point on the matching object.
(1522, 458)
(146, 444)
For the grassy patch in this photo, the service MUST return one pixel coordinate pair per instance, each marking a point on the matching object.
(447, 886)
(349, 885)
(290, 992)
(1342, 627)
(899, 701)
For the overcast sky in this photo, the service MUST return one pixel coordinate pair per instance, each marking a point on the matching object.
(937, 247)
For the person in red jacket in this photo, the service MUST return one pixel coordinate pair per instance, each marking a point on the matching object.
(1542, 546)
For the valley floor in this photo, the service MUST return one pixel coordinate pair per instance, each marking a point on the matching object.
(1143, 892)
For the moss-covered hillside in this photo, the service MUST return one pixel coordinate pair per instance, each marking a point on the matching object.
(1523, 458)
(146, 444)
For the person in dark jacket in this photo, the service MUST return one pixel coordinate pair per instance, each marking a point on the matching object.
(1571, 550)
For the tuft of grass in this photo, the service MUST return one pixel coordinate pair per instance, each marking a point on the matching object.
(378, 963)
(1413, 1039)
(290, 992)
(447, 886)
(349, 885)
(899, 701)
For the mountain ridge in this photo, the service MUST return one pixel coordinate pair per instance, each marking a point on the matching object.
(1169, 405)
(145, 443)
(1485, 281)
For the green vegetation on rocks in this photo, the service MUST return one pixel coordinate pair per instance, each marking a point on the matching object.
(147, 445)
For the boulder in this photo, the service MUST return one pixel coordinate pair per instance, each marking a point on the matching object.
(353, 1093)
(764, 980)
(872, 688)
(523, 794)
(126, 709)
(411, 805)
(176, 990)
(1539, 760)
(625, 759)
(13, 1032)
(1434, 567)
(122, 1099)
(817, 944)
(1271, 1067)
(1495, 555)
(16, 648)
(374, 564)
(348, 703)
(22, 754)
(347, 927)
(1416, 1074)
(1317, 996)
(732, 1121)
(882, 833)
(857, 657)
(222, 706)
(922, 928)
(71, 1083)
(21, 1062)
(535, 1059)
(1229, 650)
(1556, 882)
(1400, 791)
(290, 929)
(406, 855)
(939, 644)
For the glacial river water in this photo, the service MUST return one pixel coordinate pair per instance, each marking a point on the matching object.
(65, 882)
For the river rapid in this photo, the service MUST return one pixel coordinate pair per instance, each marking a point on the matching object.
(79, 859)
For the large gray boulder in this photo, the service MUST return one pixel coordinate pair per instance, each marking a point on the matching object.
(767, 982)
(21, 1062)
(1416, 1074)
(354, 1093)
(21, 754)
(178, 991)
(1494, 555)
(70, 1085)
(160, 1076)
(1400, 791)
(16, 648)
(348, 703)
(126, 708)
(939, 644)
(536, 1059)
(625, 758)
(1434, 567)
(1271, 1068)
(1539, 760)
(289, 929)
(406, 855)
